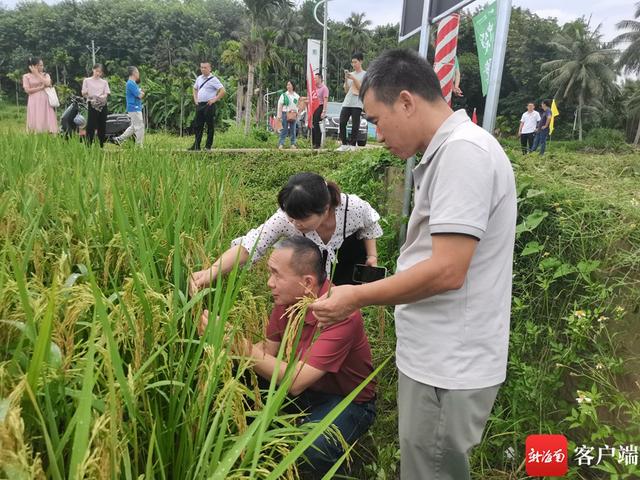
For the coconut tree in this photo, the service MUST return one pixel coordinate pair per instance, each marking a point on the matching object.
(630, 57)
(633, 109)
(271, 62)
(232, 56)
(253, 48)
(289, 32)
(358, 31)
(585, 70)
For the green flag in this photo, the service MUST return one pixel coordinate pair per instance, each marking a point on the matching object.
(484, 25)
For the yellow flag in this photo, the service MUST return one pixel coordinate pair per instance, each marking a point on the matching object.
(554, 113)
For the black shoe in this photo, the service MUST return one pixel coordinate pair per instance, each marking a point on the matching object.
(208, 149)
(193, 148)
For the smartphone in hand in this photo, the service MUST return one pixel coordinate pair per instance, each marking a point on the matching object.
(367, 274)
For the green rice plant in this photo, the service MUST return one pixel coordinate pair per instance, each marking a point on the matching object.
(102, 374)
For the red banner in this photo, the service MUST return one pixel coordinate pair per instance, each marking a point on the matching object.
(312, 93)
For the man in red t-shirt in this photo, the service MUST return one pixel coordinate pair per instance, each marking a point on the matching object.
(332, 362)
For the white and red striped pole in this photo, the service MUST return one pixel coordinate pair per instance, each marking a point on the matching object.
(445, 57)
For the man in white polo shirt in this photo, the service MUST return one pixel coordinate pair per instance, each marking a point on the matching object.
(452, 289)
(207, 91)
(528, 126)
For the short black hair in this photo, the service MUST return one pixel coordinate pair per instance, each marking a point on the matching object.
(531, 103)
(131, 69)
(318, 74)
(397, 70)
(307, 258)
(33, 61)
(547, 102)
(358, 56)
(306, 194)
(207, 62)
(98, 65)
(293, 84)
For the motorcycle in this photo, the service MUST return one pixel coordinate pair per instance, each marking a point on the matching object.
(74, 118)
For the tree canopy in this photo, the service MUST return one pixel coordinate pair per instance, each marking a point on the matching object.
(267, 42)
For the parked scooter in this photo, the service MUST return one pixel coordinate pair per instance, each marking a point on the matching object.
(74, 118)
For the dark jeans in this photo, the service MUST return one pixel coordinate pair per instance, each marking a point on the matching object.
(353, 422)
(526, 141)
(316, 133)
(354, 113)
(204, 116)
(540, 141)
(96, 120)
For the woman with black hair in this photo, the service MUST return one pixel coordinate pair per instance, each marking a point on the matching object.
(288, 109)
(344, 227)
(96, 90)
(41, 117)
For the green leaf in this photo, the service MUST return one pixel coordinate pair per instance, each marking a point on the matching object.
(563, 270)
(531, 248)
(532, 221)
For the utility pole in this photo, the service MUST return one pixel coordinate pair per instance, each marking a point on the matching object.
(93, 49)
(324, 41)
(411, 161)
(325, 28)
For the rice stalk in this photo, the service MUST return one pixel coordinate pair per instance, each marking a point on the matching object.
(17, 459)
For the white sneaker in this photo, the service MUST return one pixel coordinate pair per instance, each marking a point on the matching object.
(353, 148)
(343, 148)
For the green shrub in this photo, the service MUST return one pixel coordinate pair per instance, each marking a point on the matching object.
(601, 140)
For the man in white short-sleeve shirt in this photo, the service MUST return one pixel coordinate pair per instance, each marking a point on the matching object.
(528, 126)
(207, 91)
(452, 288)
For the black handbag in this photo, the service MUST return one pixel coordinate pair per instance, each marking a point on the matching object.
(351, 252)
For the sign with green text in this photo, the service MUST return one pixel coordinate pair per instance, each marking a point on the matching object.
(484, 26)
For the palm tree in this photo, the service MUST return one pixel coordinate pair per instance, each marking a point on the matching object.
(633, 109)
(289, 32)
(253, 47)
(232, 57)
(630, 57)
(585, 70)
(358, 27)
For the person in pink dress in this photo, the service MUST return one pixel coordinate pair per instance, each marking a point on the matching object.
(41, 117)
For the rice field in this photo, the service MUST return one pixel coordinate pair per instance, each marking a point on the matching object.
(102, 373)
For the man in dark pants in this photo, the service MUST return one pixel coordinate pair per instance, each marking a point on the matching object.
(207, 90)
(352, 105)
(528, 125)
(329, 363)
(543, 128)
(319, 113)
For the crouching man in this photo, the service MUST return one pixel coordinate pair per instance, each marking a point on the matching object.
(330, 366)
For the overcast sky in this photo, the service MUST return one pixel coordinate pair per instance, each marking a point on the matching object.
(606, 12)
